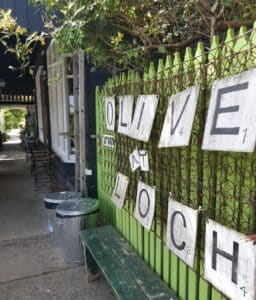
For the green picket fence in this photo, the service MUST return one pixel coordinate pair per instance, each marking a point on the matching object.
(222, 183)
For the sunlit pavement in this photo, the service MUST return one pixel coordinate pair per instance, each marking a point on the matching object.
(11, 149)
(14, 136)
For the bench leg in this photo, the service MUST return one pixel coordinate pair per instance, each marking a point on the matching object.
(91, 268)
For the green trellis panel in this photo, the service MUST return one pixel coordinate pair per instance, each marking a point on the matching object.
(211, 180)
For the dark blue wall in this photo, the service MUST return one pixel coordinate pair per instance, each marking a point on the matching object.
(27, 15)
(31, 18)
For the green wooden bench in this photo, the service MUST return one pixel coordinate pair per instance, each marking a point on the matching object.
(128, 275)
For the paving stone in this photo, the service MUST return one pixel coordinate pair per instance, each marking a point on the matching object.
(69, 284)
(27, 257)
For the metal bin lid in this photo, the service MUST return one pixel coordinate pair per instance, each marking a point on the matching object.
(58, 197)
(73, 208)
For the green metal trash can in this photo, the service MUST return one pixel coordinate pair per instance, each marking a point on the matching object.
(72, 217)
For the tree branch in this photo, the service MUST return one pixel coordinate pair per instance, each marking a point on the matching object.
(176, 46)
(137, 31)
(131, 32)
(206, 6)
(223, 25)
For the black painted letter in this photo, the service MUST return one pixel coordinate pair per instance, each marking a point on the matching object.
(116, 189)
(122, 108)
(229, 109)
(183, 244)
(233, 258)
(143, 215)
(174, 127)
(111, 111)
(143, 154)
(141, 112)
(134, 160)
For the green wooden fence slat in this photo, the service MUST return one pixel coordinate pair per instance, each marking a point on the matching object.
(167, 73)
(176, 71)
(227, 51)
(200, 77)
(192, 288)
(204, 290)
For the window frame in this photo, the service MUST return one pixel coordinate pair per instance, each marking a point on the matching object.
(59, 103)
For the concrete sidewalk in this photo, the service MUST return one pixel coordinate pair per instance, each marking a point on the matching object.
(21, 213)
(62, 285)
(30, 267)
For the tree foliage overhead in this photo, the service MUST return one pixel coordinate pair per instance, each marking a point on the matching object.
(126, 33)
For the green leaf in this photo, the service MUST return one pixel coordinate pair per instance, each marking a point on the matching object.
(162, 50)
(227, 3)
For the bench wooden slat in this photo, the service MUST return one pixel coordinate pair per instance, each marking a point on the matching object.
(120, 280)
(108, 247)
